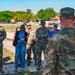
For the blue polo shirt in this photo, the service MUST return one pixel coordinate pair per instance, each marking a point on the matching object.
(21, 35)
(51, 33)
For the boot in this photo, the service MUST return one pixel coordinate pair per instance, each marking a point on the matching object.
(1, 71)
(38, 68)
(35, 62)
(28, 63)
(19, 65)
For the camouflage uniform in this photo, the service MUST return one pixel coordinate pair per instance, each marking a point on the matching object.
(42, 40)
(31, 39)
(2, 37)
(60, 53)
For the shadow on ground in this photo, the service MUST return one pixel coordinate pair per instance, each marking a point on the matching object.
(6, 60)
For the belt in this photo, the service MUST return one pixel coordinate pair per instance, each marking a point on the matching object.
(21, 42)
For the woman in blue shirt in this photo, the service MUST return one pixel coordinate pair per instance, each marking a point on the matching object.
(21, 40)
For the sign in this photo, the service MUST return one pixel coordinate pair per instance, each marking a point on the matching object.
(12, 20)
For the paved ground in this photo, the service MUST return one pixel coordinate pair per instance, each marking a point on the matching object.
(10, 35)
(9, 68)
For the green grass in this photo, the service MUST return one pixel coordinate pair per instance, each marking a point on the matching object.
(25, 73)
(29, 73)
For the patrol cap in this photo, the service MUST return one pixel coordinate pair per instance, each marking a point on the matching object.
(55, 25)
(42, 21)
(28, 24)
(49, 23)
(24, 23)
(67, 13)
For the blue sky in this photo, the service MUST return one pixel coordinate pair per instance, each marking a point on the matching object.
(35, 5)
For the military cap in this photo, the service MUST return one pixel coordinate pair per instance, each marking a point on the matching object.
(55, 25)
(24, 23)
(42, 21)
(28, 24)
(49, 23)
(67, 13)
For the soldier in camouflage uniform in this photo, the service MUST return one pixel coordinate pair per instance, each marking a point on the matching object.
(31, 47)
(60, 51)
(42, 40)
(2, 37)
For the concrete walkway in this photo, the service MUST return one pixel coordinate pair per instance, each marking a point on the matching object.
(8, 45)
(10, 34)
(9, 68)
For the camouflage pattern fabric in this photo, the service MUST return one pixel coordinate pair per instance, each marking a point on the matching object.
(60, 53)
(67, 13)
(42, 40)
(1, 54)
(2, 37)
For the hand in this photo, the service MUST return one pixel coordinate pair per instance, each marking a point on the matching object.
(30, 43)
(48, 39)
(22, 39)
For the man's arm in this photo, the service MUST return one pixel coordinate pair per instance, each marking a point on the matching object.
(31, 37)
(50, 57)
(40, 35)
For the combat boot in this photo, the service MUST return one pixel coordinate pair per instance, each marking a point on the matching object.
(28, 63)
(35, 62)
(38, 68)
(1, 71)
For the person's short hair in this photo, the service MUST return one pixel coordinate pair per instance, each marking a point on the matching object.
(22, 27)
(67, 13)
